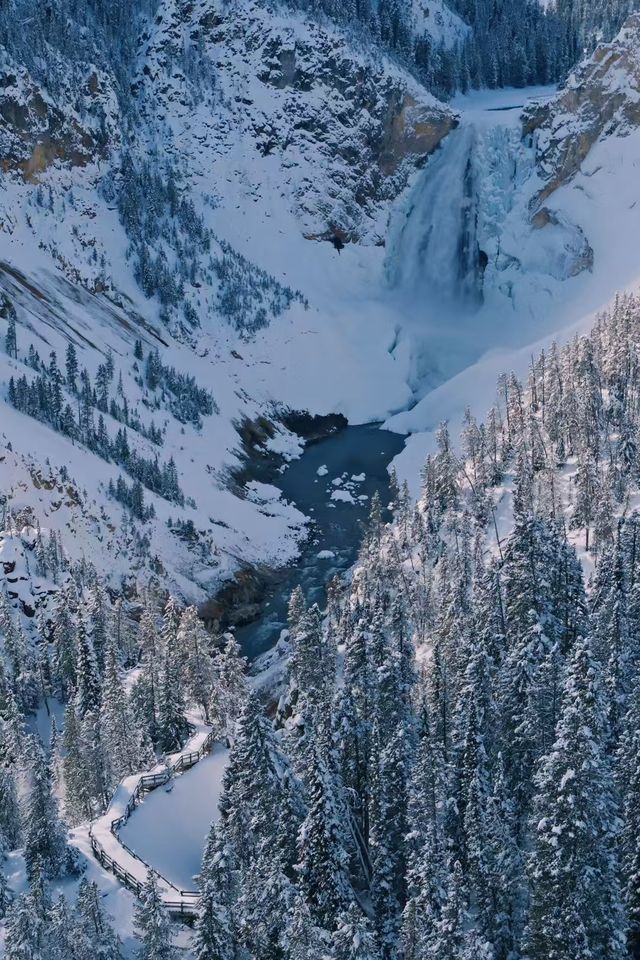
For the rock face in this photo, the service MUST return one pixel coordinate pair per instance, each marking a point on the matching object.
(601, 98)
(344, 126)
(36, 130)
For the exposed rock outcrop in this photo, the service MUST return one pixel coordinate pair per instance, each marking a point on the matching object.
(601, 98)
(344, 124)
(36, 130)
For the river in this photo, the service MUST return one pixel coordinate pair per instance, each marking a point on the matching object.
(332, 483)
(169, 829)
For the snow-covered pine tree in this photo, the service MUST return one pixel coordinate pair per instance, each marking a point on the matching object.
(87, 676)
(122, 740)
(10, 826)
(628, 780)
(45, 843)
(229, 686)
(322, 858)
(305, 940)
(26, 930)
(77, 790)
(152, 924)
(214, 938)
(260, 794)
(576, 906)
(198, 669)
(353, 938)
(172, 724)
(96, 939)
(5, 892)
(62, 935)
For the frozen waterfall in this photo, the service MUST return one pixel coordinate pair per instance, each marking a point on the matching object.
(434, 250)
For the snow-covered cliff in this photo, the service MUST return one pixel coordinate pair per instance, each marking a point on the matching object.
(246, 131)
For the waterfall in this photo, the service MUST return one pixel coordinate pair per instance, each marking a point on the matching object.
(434, 250)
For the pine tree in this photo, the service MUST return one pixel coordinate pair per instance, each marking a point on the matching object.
(172, 725)
(10, 828)
(98, 619)
(198, 669)
(544, 614)
(499, 902)
(297, 610)
(391, 749)
(447, 936)
(152, 923)
(229, 686)
(322, 859)
(213, 938)
(11, 339)
(628, 775)
(353, 938)
(77, 779)
(170, 624)
(122, 739)
(62, 936)
(45, 842)
(5, 893)
(305, 940)
(260, 796)
(354, 725)
(13, 737)
(26, 936)
(98, 941)
(87, 677)
(615, 643)
(71, 366)
(261, 929)
(576, 905)
(148, 687)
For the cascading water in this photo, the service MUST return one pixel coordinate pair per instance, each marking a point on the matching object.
(467, 266)
(434, 247)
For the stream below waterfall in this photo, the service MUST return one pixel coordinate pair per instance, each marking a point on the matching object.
(332, 483)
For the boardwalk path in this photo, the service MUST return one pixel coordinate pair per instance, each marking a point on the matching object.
(115, 855)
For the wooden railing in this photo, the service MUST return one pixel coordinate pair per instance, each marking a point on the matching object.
(187, 902)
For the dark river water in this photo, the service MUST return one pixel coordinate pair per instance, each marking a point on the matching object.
(332, 483)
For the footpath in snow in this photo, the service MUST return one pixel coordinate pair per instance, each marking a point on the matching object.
(170, 827)
(171, 838)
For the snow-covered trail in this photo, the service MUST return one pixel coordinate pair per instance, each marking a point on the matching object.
(103, 837)
(169, 828)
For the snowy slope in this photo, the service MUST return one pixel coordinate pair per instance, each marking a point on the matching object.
(297, 135)
(291, 136)
(436, 20)
(51, 315)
